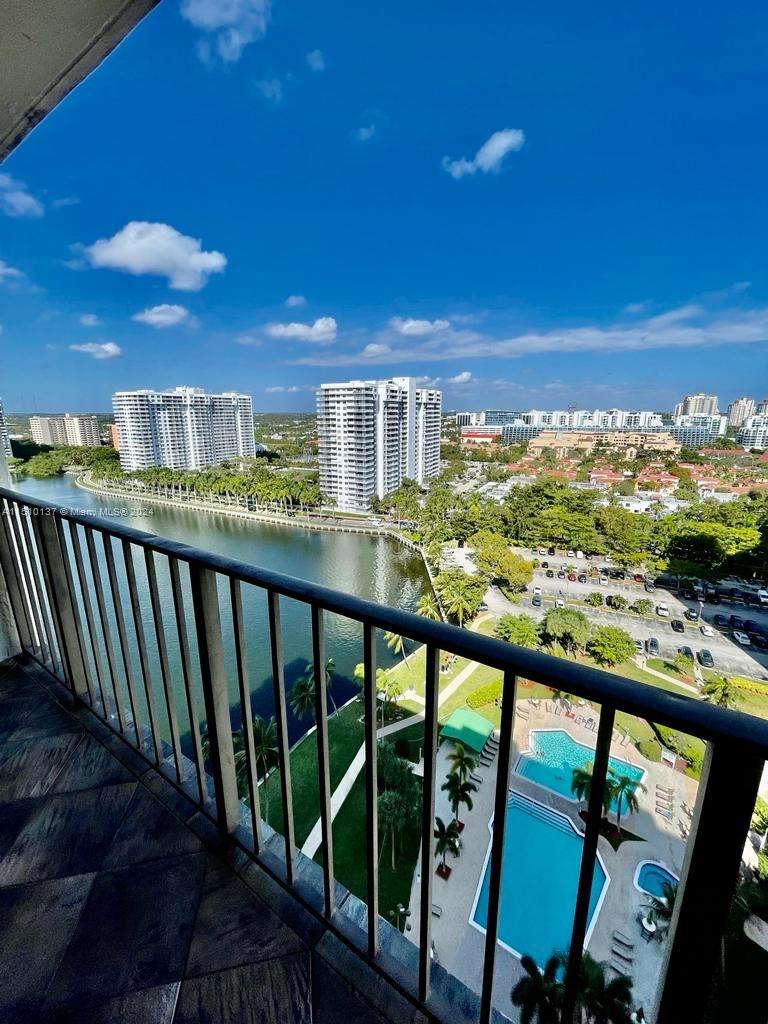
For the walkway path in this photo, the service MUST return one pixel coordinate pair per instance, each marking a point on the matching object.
(340, 794)
(671, 679)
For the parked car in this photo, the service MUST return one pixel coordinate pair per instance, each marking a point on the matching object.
(650, 587)
(545, 565)
(652, 646)
(639, 647)
(692, 614)
(572, 577)
(537, 589)
(721, 620)
(706, 630)
(582, 577)
(678, 626)
(570, 554)
(759, 640)
(536, 600)
(762, 596)
(561, 574)
(736, 622)
(685, 651)
(662, 609)
(753, 627)
(603, 581)
(735, 594)
(482, 607)
(705, 658)
(741, 638)
(551, 550)
(550, 574)
(559, 603)
(638, 577)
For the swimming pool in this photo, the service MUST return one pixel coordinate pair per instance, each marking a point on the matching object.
(553, 755)
(650, 877)
(542, 856)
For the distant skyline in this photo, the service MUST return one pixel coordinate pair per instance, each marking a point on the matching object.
(310, 193)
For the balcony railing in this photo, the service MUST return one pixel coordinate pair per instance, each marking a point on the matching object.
(66, 574)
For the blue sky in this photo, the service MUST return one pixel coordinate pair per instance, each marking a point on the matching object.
(534, 204)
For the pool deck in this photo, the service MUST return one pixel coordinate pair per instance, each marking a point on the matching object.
(459, 946)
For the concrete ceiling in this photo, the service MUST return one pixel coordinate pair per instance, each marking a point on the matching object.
(47, 47)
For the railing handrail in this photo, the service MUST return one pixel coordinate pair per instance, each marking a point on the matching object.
(677, 711)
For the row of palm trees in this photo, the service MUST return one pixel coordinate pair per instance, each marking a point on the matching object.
(618, 788)
(459, 789)
(600, 999)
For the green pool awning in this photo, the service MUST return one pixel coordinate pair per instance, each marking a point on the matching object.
(468, 728)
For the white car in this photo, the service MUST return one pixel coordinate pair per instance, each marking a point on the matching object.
(639, 646)
(762, 596)
(570, 554)
(741, 638)
(603, 581)
(537, 590)
(706, 630)
(663, 610)
(559, 603)
(542, 551)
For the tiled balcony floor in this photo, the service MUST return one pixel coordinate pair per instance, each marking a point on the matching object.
(117, 906)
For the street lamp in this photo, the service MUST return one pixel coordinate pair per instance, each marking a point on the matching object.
(400, 912)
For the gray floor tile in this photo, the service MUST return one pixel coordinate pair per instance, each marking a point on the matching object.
(134, 932)
(234, 927)
(36, 924)
(149, 831)
(91, 766)
(30, 767)
(147, 1006)
(274, 992)
(65, 834)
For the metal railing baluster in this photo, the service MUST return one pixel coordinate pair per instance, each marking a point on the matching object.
(186, 672)
(221, 754)
(27, 588)
(89, 618)
(72, 591)
(588, 856)
(729, 787)
(165, 671)
(432, 674)
(141, 644)
(122, 635)
(54, 656)
(506, 729)
(323, 764)
(106, 631)
(371, 787)
(11, 576)
(283, 746)
(245, 709)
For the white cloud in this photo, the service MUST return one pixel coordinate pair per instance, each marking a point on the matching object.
(295, 300)
(105, 350)
(6, 271)
(142, 247)
(89, 320)
(289, 389)
(687, 327)
(461, 378)
(60, 204)
(322, 331)
(417, 328)
(636, 307)
(270, 88)
(490, 156)
(16, 201)
(376, 349)
(316, 60)
(230, 25)
(365, 133)
(165, 315)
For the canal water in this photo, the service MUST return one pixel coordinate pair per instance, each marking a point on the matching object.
(377, 568)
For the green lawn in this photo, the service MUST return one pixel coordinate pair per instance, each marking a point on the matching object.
(345, 736)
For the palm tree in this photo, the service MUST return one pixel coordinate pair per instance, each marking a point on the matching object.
(461, 762)
(459, 792)
(302, 699)
(428, 607)
(265, 751)
(447, 837)
(539, 994)
(625, 789)
(309, 678)
(661, 908)
(394, 812)
(396, 643)
(603, 1001)
(581, 786)
(720, 691)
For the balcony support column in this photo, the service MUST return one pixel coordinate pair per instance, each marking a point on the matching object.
(729, 788)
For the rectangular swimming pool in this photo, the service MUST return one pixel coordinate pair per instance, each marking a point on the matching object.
(542, 857)
(553, 755)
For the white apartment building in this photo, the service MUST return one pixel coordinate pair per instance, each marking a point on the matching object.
(588, 419)
(184, 428)
(372, 435)
(740, 410)
(70, 429)
(5, 444)
(698, 428)
(754, 433)
(697, 405)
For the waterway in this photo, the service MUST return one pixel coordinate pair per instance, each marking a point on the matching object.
(377, 568)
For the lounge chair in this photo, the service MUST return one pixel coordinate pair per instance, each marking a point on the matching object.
(621, 938)
(476, 778)
(620, 968)
(663, 813)
(621, 954)
(436, 911)
(664, 789)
